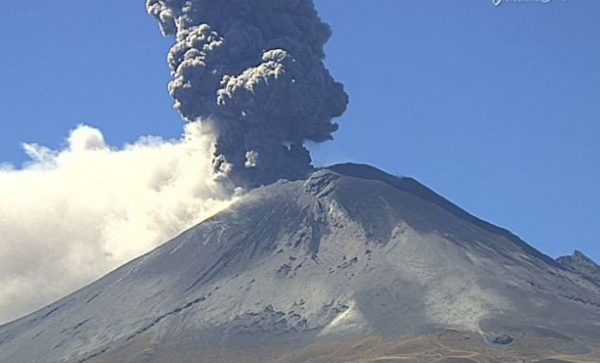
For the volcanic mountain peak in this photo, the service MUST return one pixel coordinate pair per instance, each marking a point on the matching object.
(582, 265)
(348, 253)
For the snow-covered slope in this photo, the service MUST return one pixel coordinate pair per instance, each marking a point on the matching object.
(348, 253)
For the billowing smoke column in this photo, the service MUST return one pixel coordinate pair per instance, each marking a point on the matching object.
(253, 70)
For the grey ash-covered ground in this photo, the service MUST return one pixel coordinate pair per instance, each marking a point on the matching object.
(310, 270)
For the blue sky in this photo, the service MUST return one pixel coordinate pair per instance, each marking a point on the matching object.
(496, 108)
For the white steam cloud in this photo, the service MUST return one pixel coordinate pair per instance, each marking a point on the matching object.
(69, 216)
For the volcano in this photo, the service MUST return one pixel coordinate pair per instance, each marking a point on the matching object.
(349, 264)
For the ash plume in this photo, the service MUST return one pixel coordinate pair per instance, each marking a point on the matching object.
(253, 71)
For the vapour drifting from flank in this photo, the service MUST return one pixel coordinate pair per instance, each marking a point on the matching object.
(68, 216)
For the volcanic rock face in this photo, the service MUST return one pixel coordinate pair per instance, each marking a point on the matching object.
(338, 267)
(582, 265)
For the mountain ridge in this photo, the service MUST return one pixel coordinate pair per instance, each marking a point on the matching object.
(415, 187)
(582, 265)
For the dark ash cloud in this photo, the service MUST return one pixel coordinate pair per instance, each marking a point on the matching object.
(253, 70)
